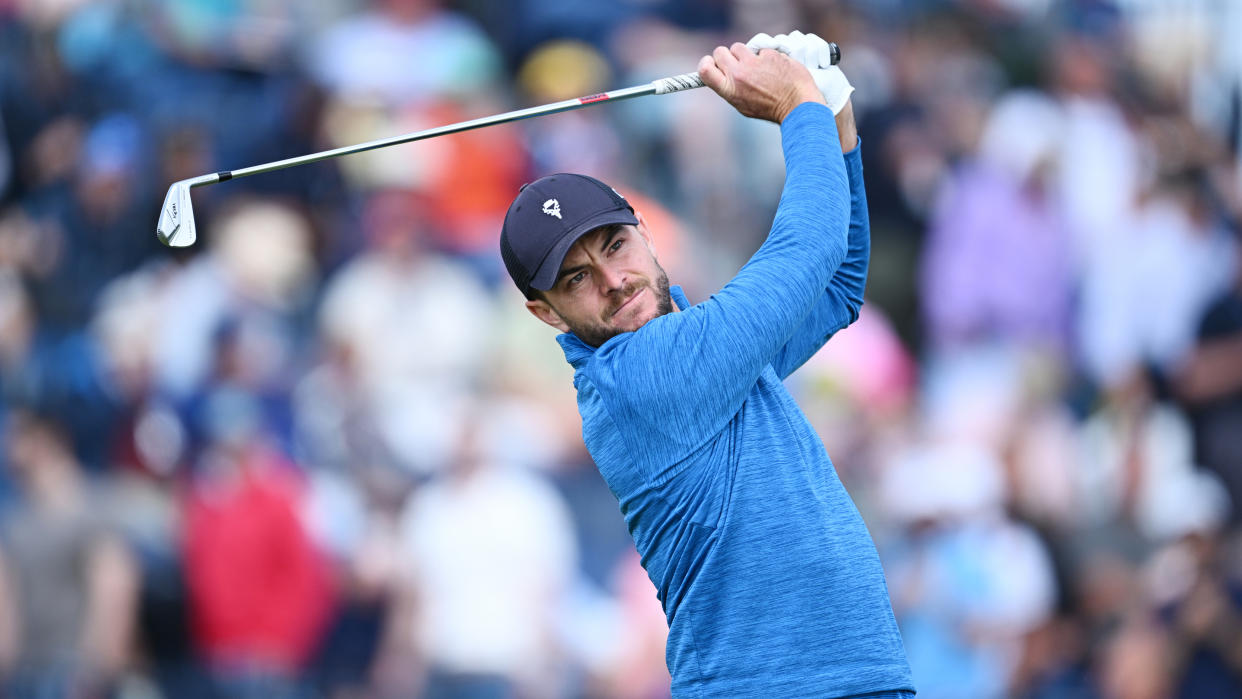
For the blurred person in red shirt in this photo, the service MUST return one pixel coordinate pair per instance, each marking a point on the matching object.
(260, 592)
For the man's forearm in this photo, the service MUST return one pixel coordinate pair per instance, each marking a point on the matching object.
(843, 297)
(846, 129)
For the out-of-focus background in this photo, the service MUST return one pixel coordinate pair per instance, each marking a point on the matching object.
(327, 452)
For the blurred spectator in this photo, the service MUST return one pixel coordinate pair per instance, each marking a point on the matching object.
(355, 496)
(1138, 484)
(1204, 618)
(996, 235)
(94, 216)
(1100, 168)
(416, 324)
(468, 200)
(1135, 661)
(243, 35)
(68, 598)
(143, 496)
(968, 582)
(1210, 382)
(254, 286)
(1140, 310)
(636, 667)
(490, 552)
(405, 51)
(350, 659)
(1054, 662)
(580, 141)
(933, 82)
(334, 429)
(260, 591)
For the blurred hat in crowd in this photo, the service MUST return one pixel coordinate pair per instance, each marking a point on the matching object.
(1022, 133)
(112, 146)
(563, 69)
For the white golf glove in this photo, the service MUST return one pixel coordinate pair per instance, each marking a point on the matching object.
(814, 53)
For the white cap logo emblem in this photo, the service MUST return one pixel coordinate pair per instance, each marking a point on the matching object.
(552, 207)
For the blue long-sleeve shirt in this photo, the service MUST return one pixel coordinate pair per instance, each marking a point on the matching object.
(766, 571)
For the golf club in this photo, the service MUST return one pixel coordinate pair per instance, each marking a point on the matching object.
(176, 224)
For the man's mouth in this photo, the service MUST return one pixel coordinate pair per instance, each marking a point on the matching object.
(628, 301)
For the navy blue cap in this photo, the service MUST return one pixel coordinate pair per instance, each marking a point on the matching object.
(548, 216)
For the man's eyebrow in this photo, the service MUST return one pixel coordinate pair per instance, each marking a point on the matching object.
(613, 229)
(568, 271)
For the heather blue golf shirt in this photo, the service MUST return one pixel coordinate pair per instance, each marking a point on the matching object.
(768, 576)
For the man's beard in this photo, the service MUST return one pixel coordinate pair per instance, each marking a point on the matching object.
(596, 334)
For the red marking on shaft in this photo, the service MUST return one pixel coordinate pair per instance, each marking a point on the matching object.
(593, 98)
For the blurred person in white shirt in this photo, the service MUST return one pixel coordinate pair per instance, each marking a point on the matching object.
(413, 325)
(404, 51)
(491, 554)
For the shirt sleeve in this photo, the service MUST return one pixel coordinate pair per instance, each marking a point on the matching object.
(843, 298)
(684, 375)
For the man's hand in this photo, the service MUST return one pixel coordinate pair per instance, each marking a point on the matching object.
(764, 86)
(814, 53)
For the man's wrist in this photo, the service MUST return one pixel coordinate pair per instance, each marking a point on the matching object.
(802, 98)
(802, 109)
(847, 130)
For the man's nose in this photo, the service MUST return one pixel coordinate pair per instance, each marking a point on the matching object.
(611, 279)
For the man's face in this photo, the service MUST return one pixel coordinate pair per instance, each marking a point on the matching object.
(609, 283)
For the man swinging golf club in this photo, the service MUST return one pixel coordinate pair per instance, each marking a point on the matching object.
(767, 574)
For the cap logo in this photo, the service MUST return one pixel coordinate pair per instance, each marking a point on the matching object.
(552, 207)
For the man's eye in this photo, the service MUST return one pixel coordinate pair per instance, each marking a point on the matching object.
(574, 280)
(616, 246)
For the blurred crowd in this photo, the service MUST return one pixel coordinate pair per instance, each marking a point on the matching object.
(327, 452)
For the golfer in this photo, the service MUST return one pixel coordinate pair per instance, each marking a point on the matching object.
(769, 579)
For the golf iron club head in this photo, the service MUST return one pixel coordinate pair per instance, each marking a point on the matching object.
(176, 225)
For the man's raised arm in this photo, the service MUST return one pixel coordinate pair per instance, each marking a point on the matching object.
(705, 360)
(843, 298)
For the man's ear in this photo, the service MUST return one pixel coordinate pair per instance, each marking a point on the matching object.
(544, 311)
(645, 232)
